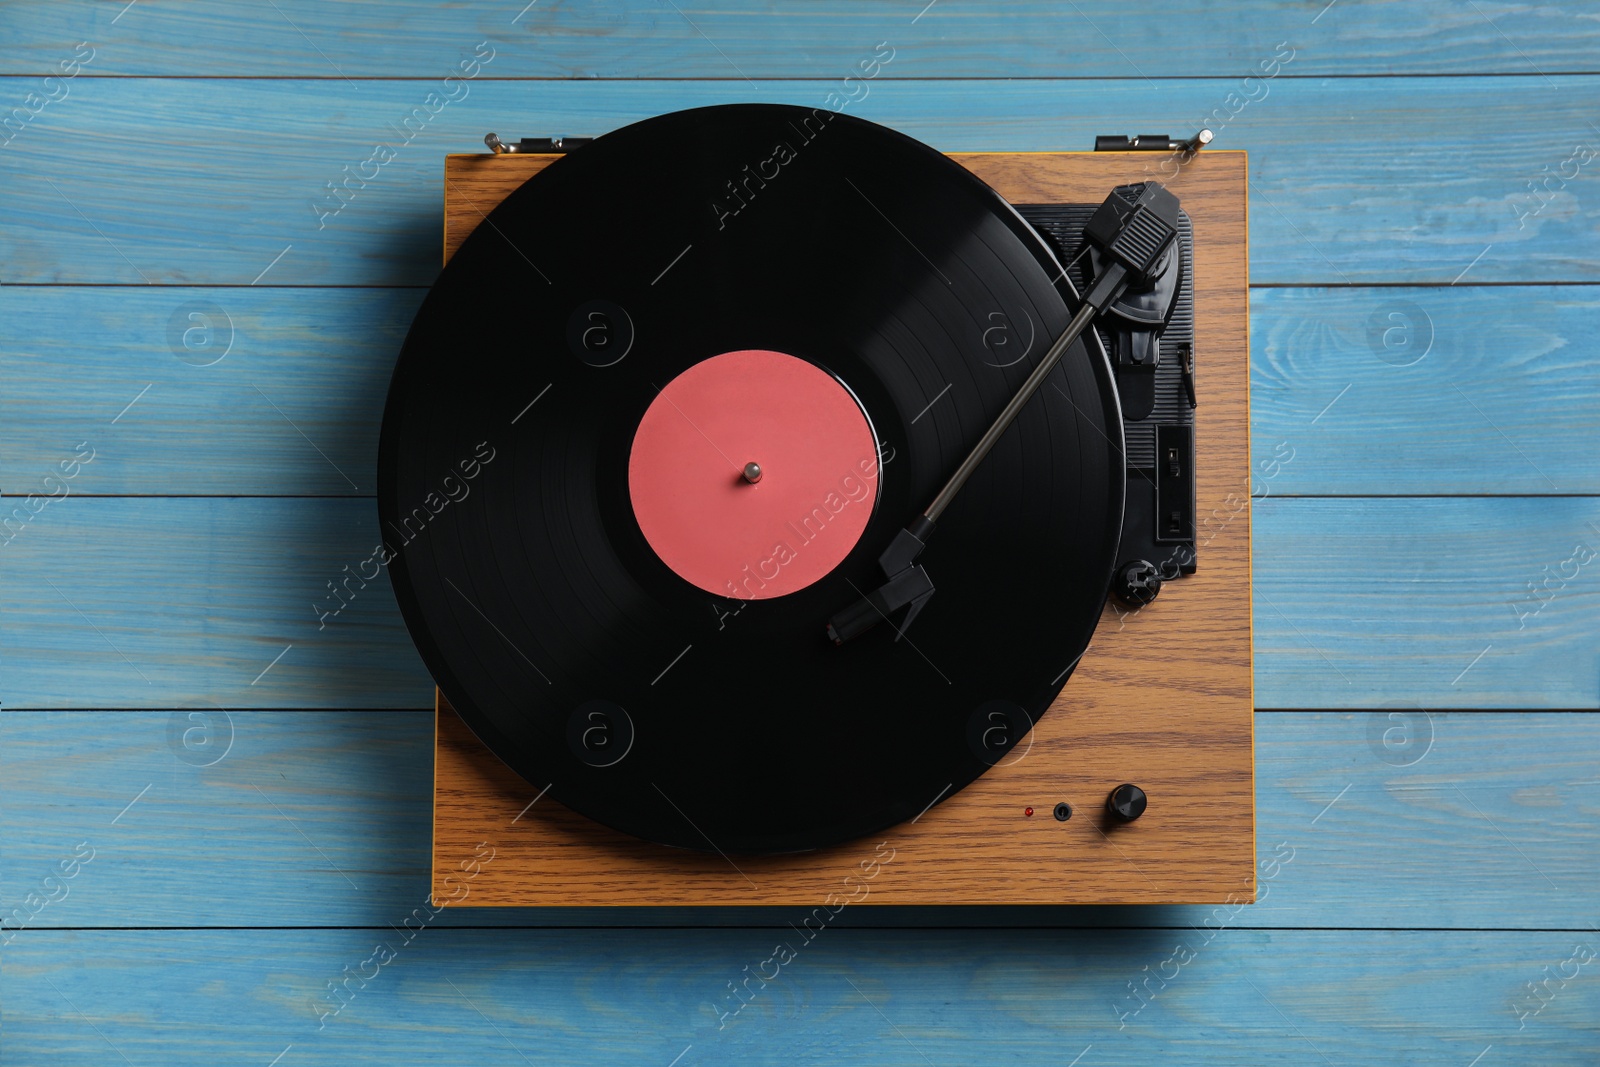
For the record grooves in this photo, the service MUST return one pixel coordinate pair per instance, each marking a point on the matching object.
(575, 651)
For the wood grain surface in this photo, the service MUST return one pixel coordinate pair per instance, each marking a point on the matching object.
(1411, 156)
(902, 998)
(183, 602)
(1502, 375)
(1333, 201)
(1394, 817)
(1182, 733)
(422, 39)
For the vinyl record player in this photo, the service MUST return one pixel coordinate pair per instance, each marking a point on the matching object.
(856, 316)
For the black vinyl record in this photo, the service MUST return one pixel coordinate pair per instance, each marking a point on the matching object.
(568, 645)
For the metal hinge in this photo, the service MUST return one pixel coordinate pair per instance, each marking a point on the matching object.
(1153, 142)
(545, 145)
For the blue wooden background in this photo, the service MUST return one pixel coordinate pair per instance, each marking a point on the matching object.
(210, 807)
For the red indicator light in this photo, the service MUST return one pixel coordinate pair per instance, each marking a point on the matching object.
(1027, 811)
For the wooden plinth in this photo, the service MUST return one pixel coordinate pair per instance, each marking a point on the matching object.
(1162, 698)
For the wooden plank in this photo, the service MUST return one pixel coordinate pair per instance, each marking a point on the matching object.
(888, 997)
(1116, 724)
(1339, 199)
(257, 819)
(1525, 360)
(1425, 391)
(1445, 602)
(636, 38)
(289, 382)
(1331, 198)
(136, 602)
(1358, 602)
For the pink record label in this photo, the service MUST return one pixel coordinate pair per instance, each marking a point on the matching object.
(753, 474)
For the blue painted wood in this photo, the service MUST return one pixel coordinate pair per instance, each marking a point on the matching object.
(166, 602)
(1502, 396)
(322, 819)
(761, 40)
(134, 602)
(906, 997)
(1443, 603)
(1333, 202)
(199, 391)
(1432, 391)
